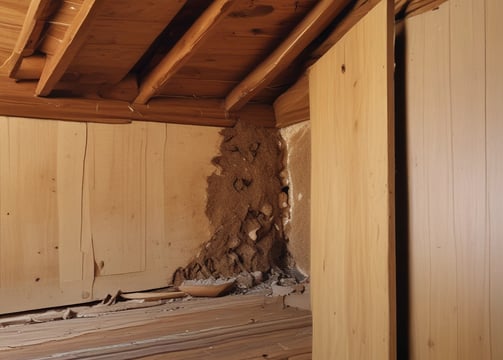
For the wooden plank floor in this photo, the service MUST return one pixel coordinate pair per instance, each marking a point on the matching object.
(233, 327)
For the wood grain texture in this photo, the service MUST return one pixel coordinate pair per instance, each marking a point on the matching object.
(183, 50)
(74, 38)
(38, 13)
(433, 321)
(87, 209)
(120, 35)
(41, 260)
(115, 168)
(232, 327)
(452, 84)
(283, 55)
(293, 105)
(15, 99)
(242, 40)
(494, 133)
(352, 236)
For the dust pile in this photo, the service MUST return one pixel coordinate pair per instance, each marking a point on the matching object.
(246, 203)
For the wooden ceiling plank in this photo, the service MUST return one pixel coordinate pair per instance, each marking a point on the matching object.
(73, 40)
(38, 13)
(305, 32)
(183, 50)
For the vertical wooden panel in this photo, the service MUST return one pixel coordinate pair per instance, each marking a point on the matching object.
(433, 249)
(494, 131)
(70, 160)
(29, 204)
(40, 258)
(467, 65)
(116, 173)
(352, 238)
(452, 178)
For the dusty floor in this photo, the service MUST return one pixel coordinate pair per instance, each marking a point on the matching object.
(232, 327)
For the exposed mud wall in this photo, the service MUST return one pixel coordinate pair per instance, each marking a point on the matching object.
(297, 139)
(245, 206)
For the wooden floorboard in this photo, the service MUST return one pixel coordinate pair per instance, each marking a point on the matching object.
(233, 327)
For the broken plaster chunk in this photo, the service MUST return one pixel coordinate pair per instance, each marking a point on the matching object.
(283, 200)
(278, 290)
(266, 209)
(258, 277)
(244, 280)
(283, 175)
(251, 228)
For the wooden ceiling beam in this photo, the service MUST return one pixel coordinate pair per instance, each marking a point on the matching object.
(38, 13)
(303, 34)
(183, 50)
(16, 99)
(73, 40)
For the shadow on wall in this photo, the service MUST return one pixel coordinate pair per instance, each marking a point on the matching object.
(401, 193)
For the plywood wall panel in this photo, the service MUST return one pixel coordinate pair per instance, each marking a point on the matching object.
(453, 143)
(433, 320)
(88, 210)
(352, 238)
(115, 167)
(494, 133)
(35, 264)
(467, 84)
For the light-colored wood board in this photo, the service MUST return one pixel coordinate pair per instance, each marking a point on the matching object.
(352, 246)
(293, 105)
(34, 188)
(467, 83)
(185, 47)
(190, 323)
(449, 104)
(432, 241)
(116, 169)
(283, 55)
(71, 142)
(494, 133)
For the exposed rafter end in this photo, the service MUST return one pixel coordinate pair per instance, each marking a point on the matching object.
(183, 50)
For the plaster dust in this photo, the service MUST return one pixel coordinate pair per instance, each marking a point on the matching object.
(243, 207)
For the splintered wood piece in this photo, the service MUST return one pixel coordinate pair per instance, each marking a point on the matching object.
(153, 296)
(211, 290)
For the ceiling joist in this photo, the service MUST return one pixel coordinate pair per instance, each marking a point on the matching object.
(14, 102)
(56, 65)
(305, 32)
(183, 50)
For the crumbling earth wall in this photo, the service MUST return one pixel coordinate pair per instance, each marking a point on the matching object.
(246, 202)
